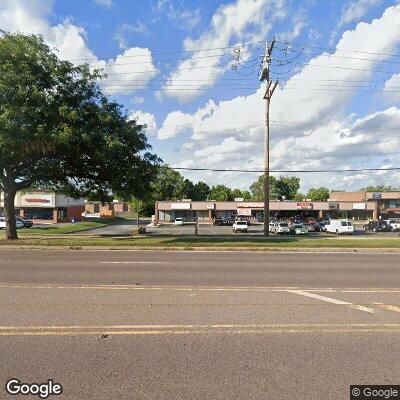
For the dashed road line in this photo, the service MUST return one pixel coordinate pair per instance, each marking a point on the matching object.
(388, 307)
(331, 300)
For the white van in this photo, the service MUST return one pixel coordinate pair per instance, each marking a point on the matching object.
(340, 226)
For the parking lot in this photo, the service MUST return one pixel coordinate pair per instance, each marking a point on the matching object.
(253, 230)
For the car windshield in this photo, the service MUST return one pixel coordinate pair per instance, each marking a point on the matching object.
(284, 224)
(241, 223)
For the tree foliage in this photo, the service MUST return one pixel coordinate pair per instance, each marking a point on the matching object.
(379, 188)
(58, 129)
(318, 194)
(282, 187)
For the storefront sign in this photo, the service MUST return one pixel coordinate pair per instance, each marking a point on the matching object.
(359, 206)
(304, 206)
(239, 199)
(334, 205)
(210, 206)
(377, 196)
(249, 205)
(244, 212)
(180, 206)
(37, 200)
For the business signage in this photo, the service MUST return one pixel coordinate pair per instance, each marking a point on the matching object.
(359, 206)
(376, 196)
(239, 199)
(249, 205)
(210, 206)
(244, 212)
(37, 200)
(180, 206)
(304, 206)
(333, 205)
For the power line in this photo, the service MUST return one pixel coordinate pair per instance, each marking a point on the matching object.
(300, 171)
(173, 52)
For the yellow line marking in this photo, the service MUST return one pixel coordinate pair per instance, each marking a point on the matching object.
(199, 326)
(388, 307)
(198, 288)
(193, 329)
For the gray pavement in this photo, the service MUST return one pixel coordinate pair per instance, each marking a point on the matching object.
(199, 325)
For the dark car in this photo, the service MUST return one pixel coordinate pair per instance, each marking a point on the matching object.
(218, 221)
(27, 223)
(377, 226)
(229, 222)
(321, 226)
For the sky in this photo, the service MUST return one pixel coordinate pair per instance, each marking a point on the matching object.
(169, 62)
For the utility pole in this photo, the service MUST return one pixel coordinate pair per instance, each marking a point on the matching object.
(264, 76)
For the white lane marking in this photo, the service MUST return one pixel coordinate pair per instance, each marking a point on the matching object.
(135, 262)
(330, 300)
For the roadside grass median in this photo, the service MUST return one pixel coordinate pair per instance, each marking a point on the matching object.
(203, 242)
(69, 228)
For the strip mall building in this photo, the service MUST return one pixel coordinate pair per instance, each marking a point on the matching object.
(46, 206)
(353, 205)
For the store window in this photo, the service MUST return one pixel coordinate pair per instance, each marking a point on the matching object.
(38, 213)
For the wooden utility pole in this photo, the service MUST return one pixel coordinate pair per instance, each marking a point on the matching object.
(264, 76)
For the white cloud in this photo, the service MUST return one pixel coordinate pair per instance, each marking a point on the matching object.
(321, 134)
(145, 118)
(355, 9)
(31, 16)
(185, 19)
(124, 75)
(105, 3)
(138, 27)
(229, 23)
(392, 88)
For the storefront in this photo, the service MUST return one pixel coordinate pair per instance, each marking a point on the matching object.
(254, 211)
(47, 206)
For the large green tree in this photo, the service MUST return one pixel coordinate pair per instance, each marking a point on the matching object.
(221, 193)
(282, 187)
(58, 129)
(318, 194)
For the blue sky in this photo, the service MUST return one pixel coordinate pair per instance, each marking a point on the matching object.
(169, 62)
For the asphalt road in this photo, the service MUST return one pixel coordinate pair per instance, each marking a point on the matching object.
(199, 325)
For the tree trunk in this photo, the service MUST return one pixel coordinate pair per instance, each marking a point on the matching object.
(9, 213)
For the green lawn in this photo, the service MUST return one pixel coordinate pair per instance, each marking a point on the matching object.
(206, 242)
(70, 228)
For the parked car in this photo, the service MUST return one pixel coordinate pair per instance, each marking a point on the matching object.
(26, 222)
(378, 226)
(321, 226)
(310, 227)
(282, 228)
(19, 224)
(272, 227)
(178, 222)
(340, 226)
(218, 221)
(240, 226)
(299, 229)
(394, 224)
(229, 222)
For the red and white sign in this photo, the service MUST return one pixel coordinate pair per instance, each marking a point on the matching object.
(250, 205)
(37, 200)
(304, 206)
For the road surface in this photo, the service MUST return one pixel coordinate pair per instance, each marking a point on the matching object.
(199, 325)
